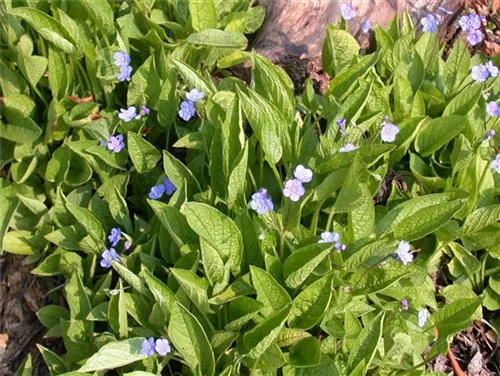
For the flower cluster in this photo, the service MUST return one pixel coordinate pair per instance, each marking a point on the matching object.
(114, 143)
(122, 61)
(157, 191)
(294, 189)
(332, 237)
(261, 202)
(471, 24)
(187, 110)
(482, 72)
(130, 113)
(429, 23)
(347, 11)
(110, 254)
(347, 148)
(495, 163)
(389, 131)
(404, 252)
(149, 346)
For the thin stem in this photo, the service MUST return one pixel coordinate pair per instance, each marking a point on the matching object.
(330, 219)
(277, 175)
(261, 167)
(252, 179)
(314, 222)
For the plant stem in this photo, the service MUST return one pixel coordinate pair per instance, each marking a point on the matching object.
(277, 175)
(330, 219)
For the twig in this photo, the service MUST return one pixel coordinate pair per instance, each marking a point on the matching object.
(454, 364)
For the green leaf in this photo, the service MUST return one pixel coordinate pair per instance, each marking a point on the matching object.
(218, 38)
(54, 362)
(77, 298)
(427, 220)
(131, 278)
(310, 305)
(203, 14)
(300, 264)
(194, 287)
(144, 156)
(8, 206)
(19, 128)
(340, 50)
(437, 133)
(464, 102)
(258, 340)
(217, 230)
(457, 67)
(378, 278)
(26, 368)
(168, 103)
(48, 27)
(50, 314)
(190, 340)
(480, 219)
(162, 294)
(192, 77)
(178, 172)
(269, 292)
(145, 85)
(305, 353)
(366, 344)
(237, 179)
(212, 264)
(88, 220)
(101, 14)
(114, 355)
(241, 311)
(58, 74)
(353, 191)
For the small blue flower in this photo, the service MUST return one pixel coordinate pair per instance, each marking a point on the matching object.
(347, 11)
(169, 186)
(429, 23)
(127, 244)
(194, 95)
(347, 148)
(492, 69)
(470, 22)
(121, 58)
(107, 256)
(423, 316)
(303, 174)
(128, 114)
(332, 237)
(404, 305)
(156, 192)
(148, 346)
(480, 73)
(495, 163)
(114, 236)
(294, 189)
(493, 109)
(125, 73)
(404, 253)
(187, 110)
(162, 346)
(475, 37)
(261, 202)
(114, 143)
(366, 26)
(389, 132)
(342, 122)
(442, 9)
(144, 110)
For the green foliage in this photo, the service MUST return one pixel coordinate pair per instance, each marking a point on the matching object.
(238, 286)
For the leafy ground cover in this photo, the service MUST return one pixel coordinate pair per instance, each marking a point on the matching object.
(208, 226)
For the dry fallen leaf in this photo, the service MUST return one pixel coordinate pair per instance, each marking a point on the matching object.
(4, 338)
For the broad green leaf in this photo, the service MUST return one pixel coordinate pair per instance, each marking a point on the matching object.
(192, 77)
(131, 278)
(114, 355)
(8, 206)
(437, 133)
(50, 314)
(54, 362)
(464, 102)
(178, 173)
(353, 191)
(77, 298)
(305, 353)
(237, 179)
(310, 305)
(191, 341)
(212, 263)
(340, 50)
(366, 343)
(145, 85)
(480, 219)
(457, 67)
(58, 74)
(301, 263)
(48, 27)
(269, 291)
(101, 14)
(175, 223)
(217, 230)
(88, 220)
(379, 277)
(144, 156)
(195, 288)
(203, 14)
(218, 38)
(241, 311)
(162, 294)
(168, 103)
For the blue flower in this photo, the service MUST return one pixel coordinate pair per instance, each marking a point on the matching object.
(148, 346)
(107, 256)
(114, 236)
(303, 174)
(144, 110)
(404, 253)
(125, 73)
(423, 316)
(445, 10)
(332, 237)
(169, 186)
(342, 122)
(366, 26)
(162, 346)
(156, 192)
(495, 163)
(187, 110)
(194, 95)
(128, 114)
(493, 109)
(430, 23)
(389, 132)
(475, 37)
(261, 202)
(480, 73)
(347, 11)
(294, 189)
(492, 69)
(127, 244)
(347, 148)
(114, 143)
(121, 58)
(470, 22)
(404, 305)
